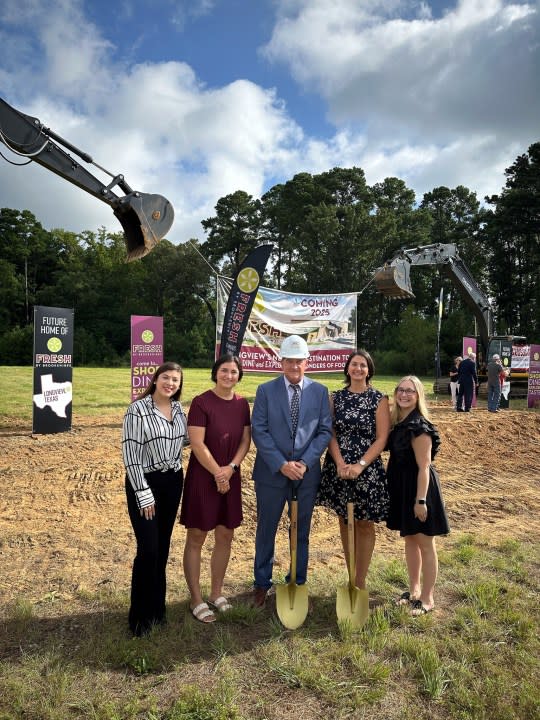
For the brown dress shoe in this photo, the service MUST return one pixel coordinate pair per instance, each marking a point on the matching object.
(259, 597)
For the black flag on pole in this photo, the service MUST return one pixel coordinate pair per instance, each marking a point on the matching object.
(241, 299)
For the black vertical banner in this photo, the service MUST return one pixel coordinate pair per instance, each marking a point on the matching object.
(53, 353)
(241, 299)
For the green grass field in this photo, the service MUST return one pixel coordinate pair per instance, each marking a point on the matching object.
(478, 660)
(105, 391)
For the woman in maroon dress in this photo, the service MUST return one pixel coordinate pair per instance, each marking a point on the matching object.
(220, 435)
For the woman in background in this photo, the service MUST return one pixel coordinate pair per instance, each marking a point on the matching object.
(154, 434)
(220, 436)
(454, 381)
(416, 505)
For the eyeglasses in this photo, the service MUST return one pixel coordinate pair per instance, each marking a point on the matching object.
(405, 391)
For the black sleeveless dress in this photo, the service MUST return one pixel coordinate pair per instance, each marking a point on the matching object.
(402, 474)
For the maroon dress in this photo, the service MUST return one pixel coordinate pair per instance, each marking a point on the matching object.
(203, 507)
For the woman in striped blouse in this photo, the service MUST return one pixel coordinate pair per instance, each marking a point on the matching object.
(154, 435)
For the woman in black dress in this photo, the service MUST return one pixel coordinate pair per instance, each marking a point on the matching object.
(416, 505)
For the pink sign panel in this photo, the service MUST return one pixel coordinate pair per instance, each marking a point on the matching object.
(146, 351)
(533, 393)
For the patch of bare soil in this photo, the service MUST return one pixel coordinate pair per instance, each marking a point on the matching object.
(64, 525)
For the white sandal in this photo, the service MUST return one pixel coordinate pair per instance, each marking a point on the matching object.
(203, 614)
(221, 604)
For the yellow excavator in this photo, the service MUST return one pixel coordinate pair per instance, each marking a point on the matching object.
(145, 219)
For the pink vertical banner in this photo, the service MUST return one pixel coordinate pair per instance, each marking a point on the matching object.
(146, 351)
(469, 345)
(533, 391)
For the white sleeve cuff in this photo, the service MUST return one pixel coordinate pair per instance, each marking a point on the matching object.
(145, 498)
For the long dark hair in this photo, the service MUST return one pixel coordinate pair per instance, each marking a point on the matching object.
(166, 367)
(367, 357)
(228, 357)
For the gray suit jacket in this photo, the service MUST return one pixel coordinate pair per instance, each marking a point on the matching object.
(272, 431)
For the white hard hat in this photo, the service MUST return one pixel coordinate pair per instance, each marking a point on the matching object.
(294, 347)
(496, 357)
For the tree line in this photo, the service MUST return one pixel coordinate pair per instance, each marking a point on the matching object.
(329, 233)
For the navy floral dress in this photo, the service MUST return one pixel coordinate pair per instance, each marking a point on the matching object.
(355, 428)
(402, 473)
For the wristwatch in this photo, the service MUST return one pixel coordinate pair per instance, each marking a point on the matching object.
(234, 466)
(363, 463)
(421, 502)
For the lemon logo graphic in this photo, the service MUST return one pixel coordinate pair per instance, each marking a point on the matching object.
(248, 279)
(259, 305)
(54, 344)
(147, 336)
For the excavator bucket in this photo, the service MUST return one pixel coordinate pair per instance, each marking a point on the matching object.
(393, 281)
(146, 220)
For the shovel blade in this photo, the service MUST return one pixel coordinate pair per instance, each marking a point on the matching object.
(352, 605)
(292, 604)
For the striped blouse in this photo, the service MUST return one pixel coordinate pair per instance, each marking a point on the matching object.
(150, 442)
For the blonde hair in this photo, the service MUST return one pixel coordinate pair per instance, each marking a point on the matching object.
(420, 399)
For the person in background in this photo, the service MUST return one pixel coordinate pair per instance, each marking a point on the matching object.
(454, 381)
(153, 437)
(468, 382)
(416, 504)
(292, 427)
(494, 371)
(353, 466)
(220, 436)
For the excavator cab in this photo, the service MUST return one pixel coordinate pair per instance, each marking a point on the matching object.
(145, 219)
(393, 281)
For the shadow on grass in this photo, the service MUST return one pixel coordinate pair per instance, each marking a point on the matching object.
(100, 638)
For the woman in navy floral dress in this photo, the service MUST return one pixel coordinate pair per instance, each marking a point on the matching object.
(353, 462)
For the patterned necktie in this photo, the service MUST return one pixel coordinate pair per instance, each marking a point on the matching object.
(295, 407)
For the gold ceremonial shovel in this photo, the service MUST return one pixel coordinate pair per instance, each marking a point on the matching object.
(292, 599)
(352, 604)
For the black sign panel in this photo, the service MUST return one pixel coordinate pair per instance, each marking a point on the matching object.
(53, 353)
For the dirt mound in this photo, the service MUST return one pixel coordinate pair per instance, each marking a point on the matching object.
(64, 525)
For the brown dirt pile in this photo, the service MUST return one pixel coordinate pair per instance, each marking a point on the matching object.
(64, 525)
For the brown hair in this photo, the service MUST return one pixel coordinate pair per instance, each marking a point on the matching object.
(367, 357)
(166, 367)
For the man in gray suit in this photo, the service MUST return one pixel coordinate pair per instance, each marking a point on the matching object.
(291, 427)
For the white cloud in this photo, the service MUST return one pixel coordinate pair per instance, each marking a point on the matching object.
(458, 90)
(155, 123)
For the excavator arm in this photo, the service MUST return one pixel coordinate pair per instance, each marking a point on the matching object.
(145, 219)
(393, 280)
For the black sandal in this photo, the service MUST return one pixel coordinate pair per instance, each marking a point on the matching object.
(419, 609)
(404, 599)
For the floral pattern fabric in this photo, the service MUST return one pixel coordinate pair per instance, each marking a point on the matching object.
(355, 428)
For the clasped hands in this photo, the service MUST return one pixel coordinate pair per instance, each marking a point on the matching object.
(293, 469)
(222, 478)
(349, 472)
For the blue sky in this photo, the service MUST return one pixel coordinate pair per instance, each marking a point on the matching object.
(197, 99)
